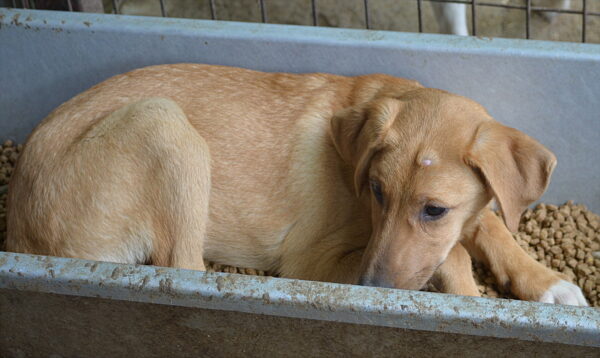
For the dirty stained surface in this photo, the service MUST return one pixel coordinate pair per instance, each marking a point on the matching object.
(58, 324)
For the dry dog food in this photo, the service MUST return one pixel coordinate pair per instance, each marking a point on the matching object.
(565, 238)
(8, 157)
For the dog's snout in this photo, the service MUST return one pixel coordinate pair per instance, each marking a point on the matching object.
(375, 281)
(364, 281)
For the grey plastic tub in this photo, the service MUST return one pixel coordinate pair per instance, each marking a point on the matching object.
(64, 307)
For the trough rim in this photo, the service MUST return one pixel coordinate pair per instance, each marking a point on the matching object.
(414, 310)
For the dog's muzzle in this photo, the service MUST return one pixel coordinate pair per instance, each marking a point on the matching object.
(376, 281)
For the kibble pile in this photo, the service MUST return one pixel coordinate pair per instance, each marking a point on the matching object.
(565, 238)
(214, 267)
(8, 157)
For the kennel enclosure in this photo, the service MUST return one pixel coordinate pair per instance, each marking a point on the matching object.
(548, 90)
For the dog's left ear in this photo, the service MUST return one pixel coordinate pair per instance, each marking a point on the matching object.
(516, 167)
(358, 133)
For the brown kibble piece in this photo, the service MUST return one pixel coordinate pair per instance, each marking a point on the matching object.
(572, 263)
(13, 157)
(567, 228)
(540, 216)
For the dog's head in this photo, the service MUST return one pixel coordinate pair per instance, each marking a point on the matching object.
(429, 162)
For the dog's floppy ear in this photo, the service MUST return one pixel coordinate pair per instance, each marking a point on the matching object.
(358, 133)
(516, 167)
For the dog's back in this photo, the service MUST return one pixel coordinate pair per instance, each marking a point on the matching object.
(265, 134)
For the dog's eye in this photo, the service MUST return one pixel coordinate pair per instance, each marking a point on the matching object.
(376, 190)
(431, 212)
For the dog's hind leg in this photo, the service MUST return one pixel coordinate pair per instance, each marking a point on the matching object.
(182, 179)
(174, 165)
(133, 188)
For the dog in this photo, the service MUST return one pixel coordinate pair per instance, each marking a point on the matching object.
(372, 179)
(452, 17)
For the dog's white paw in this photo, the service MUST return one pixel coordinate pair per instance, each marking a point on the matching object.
(564, 293)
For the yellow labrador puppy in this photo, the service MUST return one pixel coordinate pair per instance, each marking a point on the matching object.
(370, 179)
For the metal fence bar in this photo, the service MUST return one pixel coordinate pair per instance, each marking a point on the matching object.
(213, 10)
(518, 7)
(163, 12)
(474, 16)
(584, 24)
(470, 2)
(367, 24)
(561, 11)
(27, 4)
(528, 8)
(527, 20)
(263, 11)
(592, 13)
(420, 15)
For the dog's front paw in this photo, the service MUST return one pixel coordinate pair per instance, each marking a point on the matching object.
(564, 293)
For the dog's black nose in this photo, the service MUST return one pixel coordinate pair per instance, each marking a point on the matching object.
(375, 281)
(364, 281)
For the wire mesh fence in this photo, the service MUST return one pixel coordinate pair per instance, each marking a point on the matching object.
(477, 11)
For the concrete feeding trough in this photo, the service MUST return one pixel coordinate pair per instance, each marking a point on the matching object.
(67, 307)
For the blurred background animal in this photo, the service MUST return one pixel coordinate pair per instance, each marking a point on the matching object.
(452, 17)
